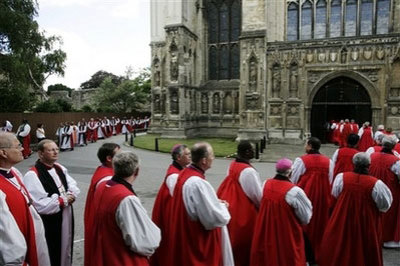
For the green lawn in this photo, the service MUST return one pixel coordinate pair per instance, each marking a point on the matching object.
(223, 147)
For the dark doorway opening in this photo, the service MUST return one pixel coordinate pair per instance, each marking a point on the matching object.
(340, 98)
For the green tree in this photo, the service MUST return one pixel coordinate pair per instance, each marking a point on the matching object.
(130, 95)
(97, 79)
(58, 87)
(54, 106)
(27, 56)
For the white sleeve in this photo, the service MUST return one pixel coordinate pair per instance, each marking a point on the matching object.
(12, 241)
(370, 151)
(250, 182)
(171, 182)
(72, 185)
(43, 203)
(202, 204)
(227, 254)
(27, 130)
(337, 186)
(396, 169)
(334, 156)
(299, 201)
(361, 132)
(382, 196)
(331, 169)
(298, 170)
(139, 232)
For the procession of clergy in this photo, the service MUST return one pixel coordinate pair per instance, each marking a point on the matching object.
(313, 211)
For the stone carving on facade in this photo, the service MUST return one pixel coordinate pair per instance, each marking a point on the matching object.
(174, 63)
(276, 80)
(216, 103)
(354, 54)
(253, 74)
(380, 53)
(275, 110)
(367, 53)
(157, 72)
(193, 101)
(174, 102)
(394, 92)
(321, 56)
(343, 55)
(394, 110)
(293, 84)
(204, 103)
(333, 55)
(228, 103)
(157, 103)
(252, 100)
(309, 56)
(163, 101)
(293, 110)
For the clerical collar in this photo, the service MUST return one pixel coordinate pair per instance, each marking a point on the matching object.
(313, 152)
(48, 168)
(123, 182)
(6, 173)
(240, 160)
(177, 165)
(282, 178)
(196, 168)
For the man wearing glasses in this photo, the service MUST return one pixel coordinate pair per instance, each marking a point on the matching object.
(53, 192)
(21, 229)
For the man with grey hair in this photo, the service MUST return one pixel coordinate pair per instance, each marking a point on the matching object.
(123, 232)
(379, 131)
(385, 165)
(200, 236)
(22, 234)
(356, 214)
(162, 211)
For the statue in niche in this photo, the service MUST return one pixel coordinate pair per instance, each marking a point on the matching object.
(216, 103)
(228, 103)
(174, 65)
(204, 103)
(163, 102)
(276, 81)
(174, 103)
(343, 56)
(157, 103)
(157, 73)
(253, 75)
(293, 82)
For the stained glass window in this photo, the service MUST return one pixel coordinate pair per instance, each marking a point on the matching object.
(212, 23)
(306, 20)
(212, 62)
(336, 16)
(223, 62)
(320, 24)
(366, 17)
(382, 23)
(351, 18)
(235, 56)
(293, 22)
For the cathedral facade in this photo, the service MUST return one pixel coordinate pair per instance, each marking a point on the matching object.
(275, 68)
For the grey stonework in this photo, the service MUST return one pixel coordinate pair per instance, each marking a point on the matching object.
(278, 78)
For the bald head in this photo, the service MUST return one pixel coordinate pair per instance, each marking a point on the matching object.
(202, 155)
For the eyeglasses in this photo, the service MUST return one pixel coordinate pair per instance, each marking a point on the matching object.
(11, 147)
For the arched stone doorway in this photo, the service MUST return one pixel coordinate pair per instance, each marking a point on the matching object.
(339, 98)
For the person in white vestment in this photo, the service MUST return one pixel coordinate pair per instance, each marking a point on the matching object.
(66, 139)
(7, 126)
(53, 192)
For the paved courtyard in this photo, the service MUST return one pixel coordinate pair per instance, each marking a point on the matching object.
(82, 162)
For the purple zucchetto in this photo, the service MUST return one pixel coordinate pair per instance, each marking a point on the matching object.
(283, 165)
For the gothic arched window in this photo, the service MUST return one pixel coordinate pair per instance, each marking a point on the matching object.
(382, 22)
(224, 19)
(320, 24)
(366, 17)
(351, 18)
(293, 22)
(336, 18)
(306, 20)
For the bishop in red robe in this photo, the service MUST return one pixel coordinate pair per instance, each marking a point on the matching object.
(103, 173)
(162, 213)
(278, 235)
(343, 157)
(366, 137)
(353, 234)
(242, 190)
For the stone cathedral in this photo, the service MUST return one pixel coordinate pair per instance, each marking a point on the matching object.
(274, 68)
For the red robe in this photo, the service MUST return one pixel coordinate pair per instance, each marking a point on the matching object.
(315, 183)
(366, 140)
(92, 133)
(336, 134)
(354, 128)
(344, 134)
(380, 168)
(193, 244)
(243, 213)
(278, 235)
(344, 161)
(26, 144)
(162, 217)
(397, 148)
(90, 214)
(353, 234)
(18, 205)
(108, 244)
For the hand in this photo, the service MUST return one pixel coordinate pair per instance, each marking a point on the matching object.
(70, 199)
(225, 202)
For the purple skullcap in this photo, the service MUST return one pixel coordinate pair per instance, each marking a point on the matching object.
(175, 147)
(283, 165)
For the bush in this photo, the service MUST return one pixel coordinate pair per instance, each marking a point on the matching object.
(87, 108)
(54, 106)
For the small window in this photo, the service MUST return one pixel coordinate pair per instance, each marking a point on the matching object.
(320, 25)
(366, 17)
(382, 23)
(293, 22)
(351, 18)
(336, 16)
(306, 20)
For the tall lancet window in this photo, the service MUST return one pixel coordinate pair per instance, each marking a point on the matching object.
(293, 22)
(320, 17)
(224, 20)
(306, 20)
(336, 18)
(351, 18)
(366, 17)
(382, 17)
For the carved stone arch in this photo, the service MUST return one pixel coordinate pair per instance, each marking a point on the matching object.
(363, 80)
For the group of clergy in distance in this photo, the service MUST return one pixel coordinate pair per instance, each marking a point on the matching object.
(315, 210)
(70, 134)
